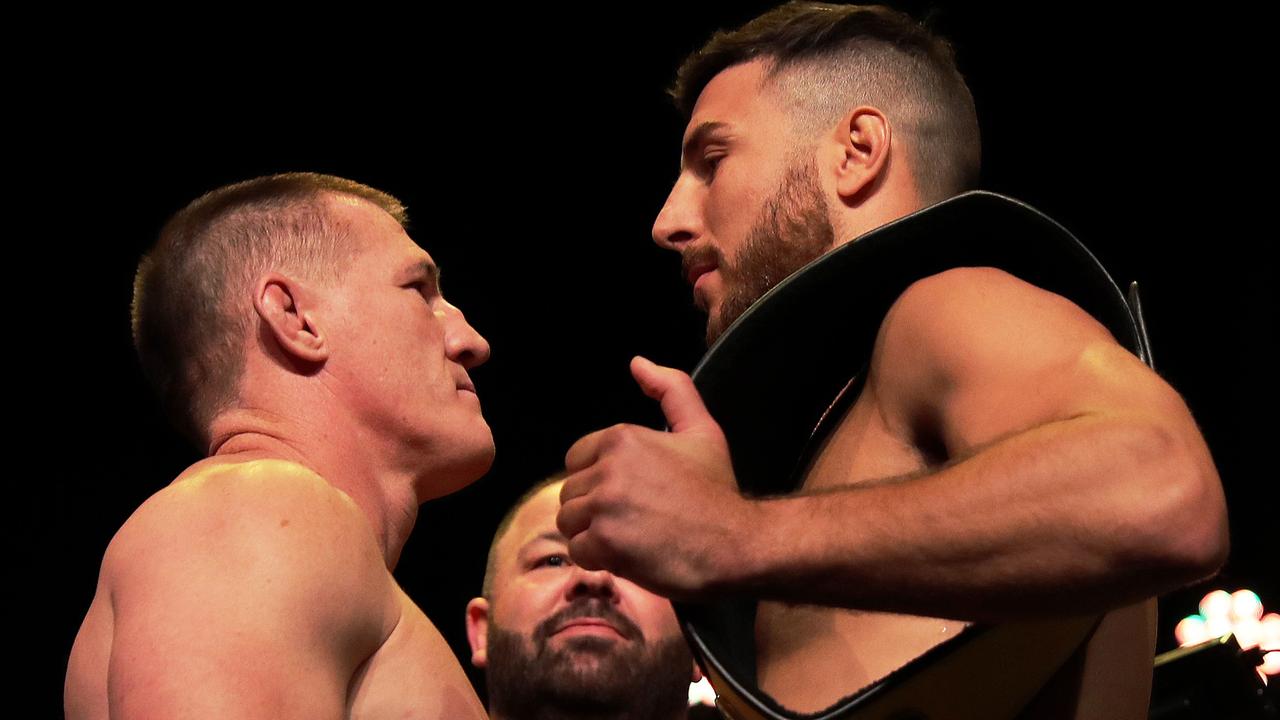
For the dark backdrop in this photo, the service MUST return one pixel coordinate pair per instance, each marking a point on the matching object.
(533, 148)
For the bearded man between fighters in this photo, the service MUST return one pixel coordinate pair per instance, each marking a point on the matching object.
(559, 641)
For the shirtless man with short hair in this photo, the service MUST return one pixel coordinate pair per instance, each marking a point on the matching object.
(1005, 457)
(296, 332)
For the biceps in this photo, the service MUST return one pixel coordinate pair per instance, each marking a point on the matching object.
(974, 354)
(1098, 379)
(206, 662)
(220, 638)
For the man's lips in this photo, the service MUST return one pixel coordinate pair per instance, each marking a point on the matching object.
(590, 625)
(698, 269)
(588, 616)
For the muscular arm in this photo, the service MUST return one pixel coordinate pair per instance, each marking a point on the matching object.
(250, 591)
(1076, 479)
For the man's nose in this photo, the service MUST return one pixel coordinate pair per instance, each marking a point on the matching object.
(677, 222)
(592, 583)
(463, 344)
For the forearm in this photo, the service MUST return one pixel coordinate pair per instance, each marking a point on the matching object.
(1076, 515)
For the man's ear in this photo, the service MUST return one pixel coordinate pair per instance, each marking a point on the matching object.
(283, 309)
(864, 138)
(478, 630)
(697, 673)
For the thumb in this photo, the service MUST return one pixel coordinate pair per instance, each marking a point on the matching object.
(675, 392)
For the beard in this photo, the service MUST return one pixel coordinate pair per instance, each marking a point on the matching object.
(586, 676)
(792, 230)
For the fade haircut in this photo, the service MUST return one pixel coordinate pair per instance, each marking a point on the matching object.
(192, 309)
(823, 60)
(490, 565)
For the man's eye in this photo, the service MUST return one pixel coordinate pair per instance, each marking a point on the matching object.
(552, 561)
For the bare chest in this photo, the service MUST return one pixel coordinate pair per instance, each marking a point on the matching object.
(809, 657)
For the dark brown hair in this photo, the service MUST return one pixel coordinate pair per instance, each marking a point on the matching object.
(191, 305)
(826, 59)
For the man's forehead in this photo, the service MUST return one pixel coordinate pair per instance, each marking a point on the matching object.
(365, 219)
(350, 206)
(536, 518)
(729, 96)
(371, 226)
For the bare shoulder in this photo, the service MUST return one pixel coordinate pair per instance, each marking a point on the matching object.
(258, 576)
(979, 354)
(979, 305)
(264, 511)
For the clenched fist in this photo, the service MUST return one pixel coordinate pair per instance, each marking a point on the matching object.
(659, 508)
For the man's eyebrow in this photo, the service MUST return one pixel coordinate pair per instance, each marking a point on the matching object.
(424, 271)
(552, 535)
(698, 137)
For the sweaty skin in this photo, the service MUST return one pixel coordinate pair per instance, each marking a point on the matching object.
(1007, 459)
(266, 586)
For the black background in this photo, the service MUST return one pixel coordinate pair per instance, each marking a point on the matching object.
(533, 148)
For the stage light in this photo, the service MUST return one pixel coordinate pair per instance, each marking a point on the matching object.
(1271, 663)
(701, 693)
(1248, 633)
(1241, 614)
(1216, 604)
(1245, 606)
(1191, 631)
(1271, 630)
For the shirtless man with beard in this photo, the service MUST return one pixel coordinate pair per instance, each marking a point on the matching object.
(1005, 456)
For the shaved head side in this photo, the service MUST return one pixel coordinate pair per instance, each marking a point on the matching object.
(192, 308)
(824, 60)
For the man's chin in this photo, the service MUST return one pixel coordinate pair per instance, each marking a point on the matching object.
(588, 674)
(587, 666)
(715, 328)
(724, 312)
(462, 469)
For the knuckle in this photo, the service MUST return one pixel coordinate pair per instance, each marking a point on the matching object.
(683, 380)
(565, 524)
(571, 489)
(620, 436)
(587, 551)
(610, 492)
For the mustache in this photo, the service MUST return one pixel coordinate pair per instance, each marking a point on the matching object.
(700, 256)
(592, 608)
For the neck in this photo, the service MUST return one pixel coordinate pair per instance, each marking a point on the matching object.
(892, 195)
(347, 458)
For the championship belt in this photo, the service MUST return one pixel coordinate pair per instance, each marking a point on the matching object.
(780, 378)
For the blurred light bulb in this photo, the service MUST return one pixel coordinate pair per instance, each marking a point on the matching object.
(1216, 604)
(701, 693)
(1191, 631)
(1245, 606)
(1248, 633)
